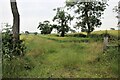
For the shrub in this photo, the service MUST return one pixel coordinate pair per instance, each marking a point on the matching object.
(80, 35)
(27, 32)
(9, 48)
(76, 35)
(14, 64)
(35, 33)
(112, 28)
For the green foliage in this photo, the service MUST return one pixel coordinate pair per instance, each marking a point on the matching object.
(112, 28)
(9, 48)
(13, 62)
(117, 10)
(99, 35)
(62, 18)
(35, 33)
(89, 14)
(63, 59)
(76, 35)
(45, 27)
(27, 32)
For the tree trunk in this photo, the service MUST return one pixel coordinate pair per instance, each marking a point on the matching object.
(87, 18)
(16, 20)
(62, 34)
(63, 30)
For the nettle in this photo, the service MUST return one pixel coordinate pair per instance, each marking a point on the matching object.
(9, 48)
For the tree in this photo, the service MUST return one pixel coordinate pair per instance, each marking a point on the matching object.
(45, 27)
(16, 20)
(27, 32)
(35, 33)
(112, 28)
(72, 30)
(89, 13)
(62, 18)
(117, 10)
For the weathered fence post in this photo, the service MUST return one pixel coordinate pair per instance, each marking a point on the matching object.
(105, 42)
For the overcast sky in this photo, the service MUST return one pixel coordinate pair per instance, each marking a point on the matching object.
(34, 11)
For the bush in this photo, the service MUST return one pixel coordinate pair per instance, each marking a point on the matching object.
(14, 64)
(9, 48)
(98, 37)
(27, 32)
(76, 35)
(35, 33)
(79, 35)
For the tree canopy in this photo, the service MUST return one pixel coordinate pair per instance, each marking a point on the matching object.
(117, 10)
(89, 13)
(45, 27)
(62, 18)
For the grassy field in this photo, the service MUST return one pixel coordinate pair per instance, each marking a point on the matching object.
(112, 32)
(69, 57)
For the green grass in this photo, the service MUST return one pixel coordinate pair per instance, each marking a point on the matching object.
(65, 39)
(57, 57)
(112, 32)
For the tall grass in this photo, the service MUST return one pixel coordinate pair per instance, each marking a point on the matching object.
(50, 58)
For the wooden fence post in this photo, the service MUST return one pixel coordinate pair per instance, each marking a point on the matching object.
(105, 43)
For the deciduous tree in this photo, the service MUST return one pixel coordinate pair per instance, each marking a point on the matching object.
(45, 27)
(89, 13)
(117, 10)
(62, 18)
